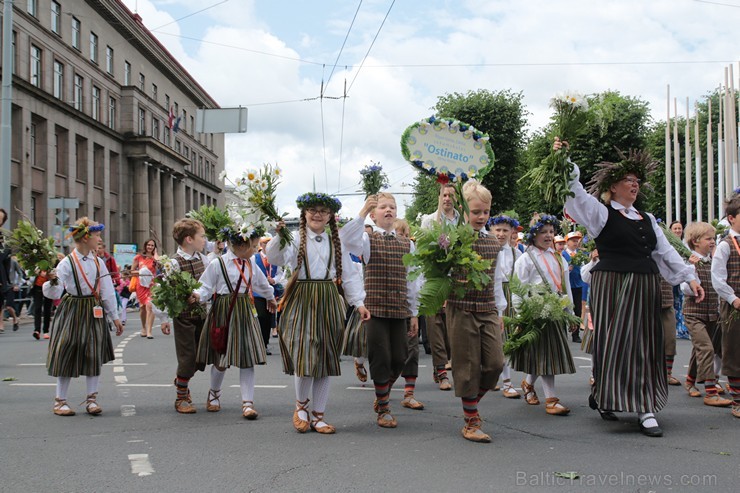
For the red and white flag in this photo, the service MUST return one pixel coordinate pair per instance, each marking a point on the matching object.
(171, 118)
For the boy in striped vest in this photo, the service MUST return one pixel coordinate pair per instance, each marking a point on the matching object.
(390, 298)
(701, 318)
(726, 281)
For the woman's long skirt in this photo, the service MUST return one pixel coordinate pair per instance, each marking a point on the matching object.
(245, 347)
(355, 338)
(628, 354)
(80, 344)
(310, 329)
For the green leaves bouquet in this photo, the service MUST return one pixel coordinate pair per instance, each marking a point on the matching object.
(33, 249)
(172, 288)
(214, 220)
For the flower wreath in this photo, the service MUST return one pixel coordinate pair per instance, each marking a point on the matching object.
(81, 232)
(503, 219)
(637, 162)
(544, 220)
(313, 199)
(239, 235)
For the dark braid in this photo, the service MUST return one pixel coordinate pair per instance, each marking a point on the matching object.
(302, 243)
(337, 249)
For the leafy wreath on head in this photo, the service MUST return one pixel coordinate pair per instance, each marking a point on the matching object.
(638, 162)
(83, 230)
(544, 220)
(239, 235)
(314, 199)
(503, 219)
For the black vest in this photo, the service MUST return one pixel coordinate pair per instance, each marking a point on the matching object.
(625, 245)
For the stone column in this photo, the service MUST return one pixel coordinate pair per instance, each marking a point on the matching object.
(178, 191)
(140, 208)
(155, 206)
(168, 213)
(106, 200)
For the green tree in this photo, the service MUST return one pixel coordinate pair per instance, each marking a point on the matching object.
(502, 115)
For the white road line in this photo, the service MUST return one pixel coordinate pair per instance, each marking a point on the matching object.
(582, 357)
(584, 366)
(134, 441)
(143, 385)
(422, 366)
(128, 410)
(116, 361)
(113, 363)
(33, 385)
(31, 364)
(370, 387)
(140, 464)
(118, 369)
(262, 386)
(120, 379)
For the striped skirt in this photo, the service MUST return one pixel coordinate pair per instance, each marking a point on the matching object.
(628, 354)
(587, 343)
(245, 347)
(549, 355)
(310, 329)
(80, 344)
(355, 337)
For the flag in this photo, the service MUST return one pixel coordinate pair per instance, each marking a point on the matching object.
(176, 128)
(171, 118)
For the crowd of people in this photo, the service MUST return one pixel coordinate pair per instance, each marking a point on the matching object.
(335, 291)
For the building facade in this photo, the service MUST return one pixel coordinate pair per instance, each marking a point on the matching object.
(103, 113)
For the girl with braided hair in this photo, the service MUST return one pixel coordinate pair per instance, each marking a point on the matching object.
(312, 310)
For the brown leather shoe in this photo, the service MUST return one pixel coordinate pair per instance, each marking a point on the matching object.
(720, 389)
(551, 407)
(301, 425)
(59, 404)
(410, 402)
(673, 380)
(185, 406)
(91, 404)
(471, 431)
(248, 410)
(444, 384)
(530, 396)
(213, 404)
(361, 373)
(325, 429)
(386, 420)
(509, 391)
(716, 401)
(692, 390)
(736, 411)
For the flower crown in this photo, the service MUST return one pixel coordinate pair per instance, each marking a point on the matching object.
(541, 223)
(238, 235)
(81, 232)
(313, 199)
(637, 162)
(503, 219)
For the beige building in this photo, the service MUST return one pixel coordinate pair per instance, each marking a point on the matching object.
(103, 113)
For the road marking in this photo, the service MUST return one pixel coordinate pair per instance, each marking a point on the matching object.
(370, 387)
(33, 385)
(140, 464)
(134, 441)
(584, 366)
(128, 410)
(582, 357)
(262, 386)
(143, 385)
(120, 379)
(114, 363)
(118, 369)
(31, 364)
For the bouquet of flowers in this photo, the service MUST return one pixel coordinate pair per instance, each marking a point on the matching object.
(34, 251)
(373, 179)
(172, 288)
(583, 255)
(214, 220)
(540, 307)
(445, 257)
(675, 241)
(257, 189)
(719, 229)
(553, 175)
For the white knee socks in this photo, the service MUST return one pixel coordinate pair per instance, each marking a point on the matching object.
(62, 387)
(92, 384)
(217, 378)
(506, 373)
(246, 382)
(531, 379)
(320, 393)
(360, 361)
(548, 384)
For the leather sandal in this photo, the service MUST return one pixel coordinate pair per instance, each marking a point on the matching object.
(317, 419)
(692, 390)
(553, 406)
(409, 401)
(248, 410)
(386, 420)
(530, 396)
(472, 430)
(736, 411)
(673, 380)
(509, 391)
(213, 396)
(184, 406)
(301, 425)
(91, 404)
(59, 404)
(361, 372)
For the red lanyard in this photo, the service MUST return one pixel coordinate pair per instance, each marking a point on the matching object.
(247, 283)
(93, 289)
(267, 265)
(558, 283)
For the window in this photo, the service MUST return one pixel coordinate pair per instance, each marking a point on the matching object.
(36, 66)
(126, 74)
(81, 158)
(93, 47)
(56, 17)
(15, 53)
(142, 122)
(112, 113)
(58, 80)
(186, 152)
(154, 92)
(77, 94)
(177, 146)
(166, 136)
(166, 102)
(155, 128)
(76, 34)
(32, 7)
(192, 125)
(32, 147)
(95, 112)
(142, 82)
(184, 121)
(109, 59)
(199, 171)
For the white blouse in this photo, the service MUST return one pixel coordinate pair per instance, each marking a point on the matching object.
(719, 270)
(548, 261)
(213, 281)
(66, 281)
(592, 214)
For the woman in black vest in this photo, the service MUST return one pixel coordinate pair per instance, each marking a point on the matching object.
(628, 355)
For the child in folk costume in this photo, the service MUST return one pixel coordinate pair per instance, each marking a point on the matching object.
(474, 325)
(549, 355)
(274, 274)
(190, 237)
(230, 278)
(390, 299)
(502, 226)
(701, 318)
(313, 312)
(80, 339)
(355, 340)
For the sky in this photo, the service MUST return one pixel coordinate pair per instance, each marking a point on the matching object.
(274, 57)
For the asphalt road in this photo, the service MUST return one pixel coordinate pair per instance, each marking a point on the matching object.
(140, 443)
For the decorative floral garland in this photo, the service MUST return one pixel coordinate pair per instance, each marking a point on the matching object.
(238, 235)
(503, 219)
(545, 220)
(81, 232)
(313, 199)
(443, 173)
